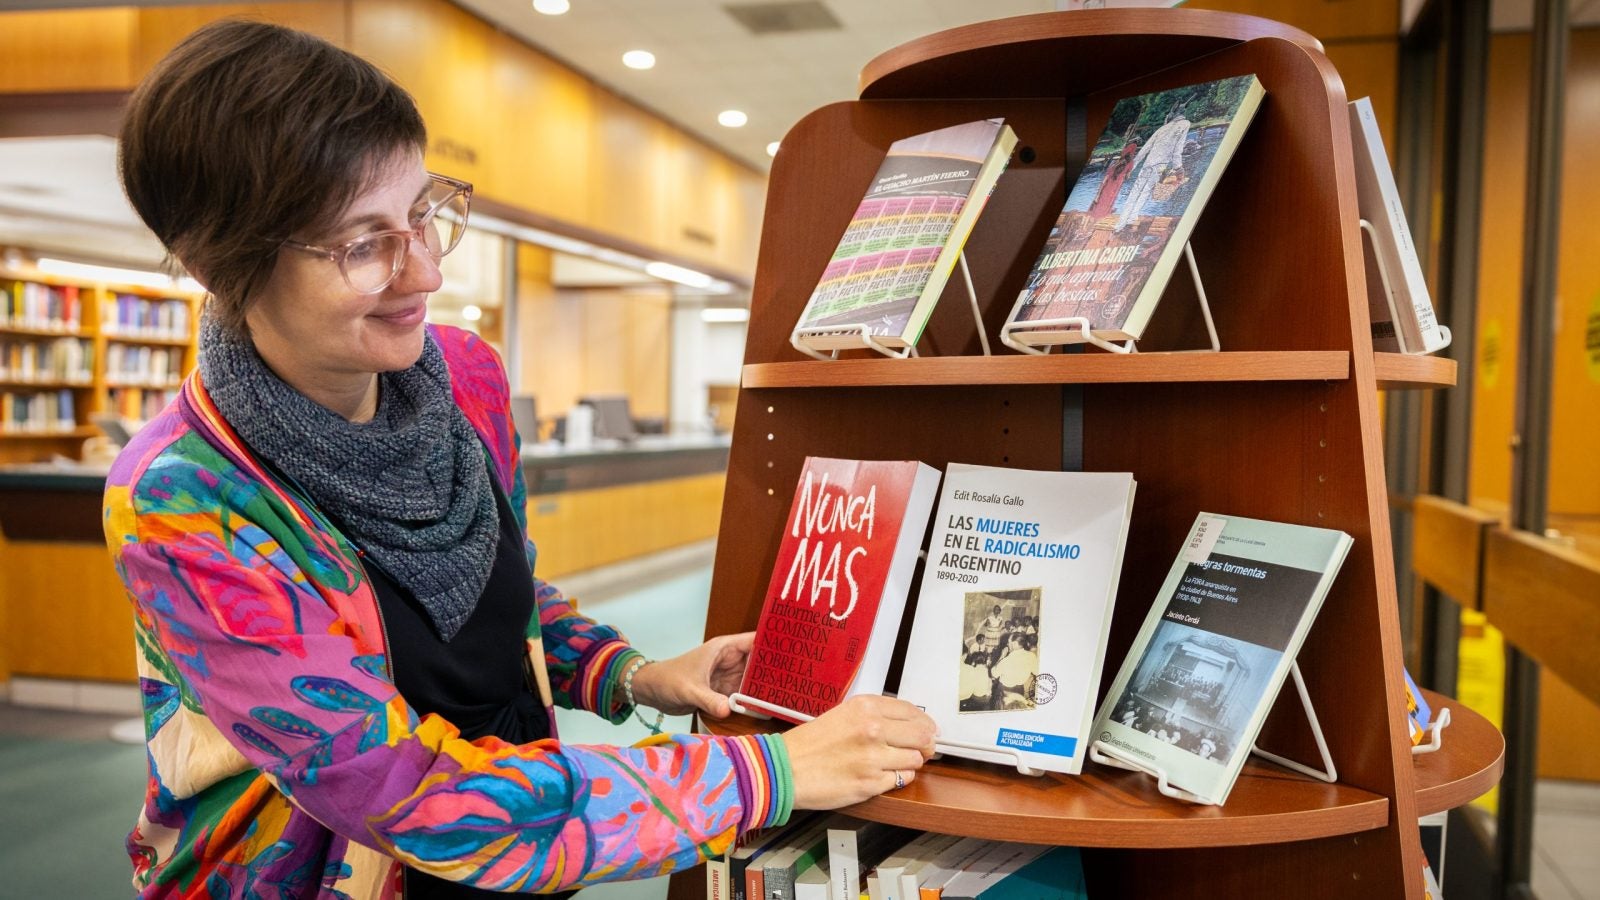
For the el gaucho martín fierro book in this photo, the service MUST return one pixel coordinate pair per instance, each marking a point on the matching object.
(1126, 220)
(839, 585)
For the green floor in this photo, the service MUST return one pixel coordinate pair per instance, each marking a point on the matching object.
(68, 805)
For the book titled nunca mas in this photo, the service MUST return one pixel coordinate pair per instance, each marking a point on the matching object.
(839, 585)
(1215, 648)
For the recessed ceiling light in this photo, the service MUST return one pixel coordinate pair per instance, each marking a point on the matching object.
(772, 149)
(732, 118)
(639, 59)
(551, 7)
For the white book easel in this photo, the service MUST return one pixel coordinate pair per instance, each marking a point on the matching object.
(1084, 326)
(746, 705)
(863, 332)
(1388, 293)
(1105, 754)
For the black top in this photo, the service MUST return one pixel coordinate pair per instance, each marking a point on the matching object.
(478, 681)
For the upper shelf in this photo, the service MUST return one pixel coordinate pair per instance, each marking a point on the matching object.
(1107, 807)
(1394, 370)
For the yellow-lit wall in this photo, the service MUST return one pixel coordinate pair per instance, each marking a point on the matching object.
(1569, 724)
(526, 130)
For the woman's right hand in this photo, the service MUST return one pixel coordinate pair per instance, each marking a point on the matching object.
(857, 750)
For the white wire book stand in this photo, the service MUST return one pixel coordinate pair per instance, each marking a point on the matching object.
(1085, 327)
(1388, 294)
(1105, 754)
(863, 332)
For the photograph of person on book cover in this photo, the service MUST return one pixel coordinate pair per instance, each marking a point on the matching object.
(999, 650)
(1120, 215)
(1196, 690)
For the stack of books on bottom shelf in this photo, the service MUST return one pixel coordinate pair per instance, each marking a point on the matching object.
(831, 856)
(37, 412)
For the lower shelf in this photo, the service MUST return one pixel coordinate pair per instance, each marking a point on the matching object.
(1106, 807)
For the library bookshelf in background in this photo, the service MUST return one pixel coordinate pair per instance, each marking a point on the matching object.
(1281, 425)
(73, 351)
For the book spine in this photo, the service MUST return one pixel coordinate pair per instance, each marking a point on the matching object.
(717, 879)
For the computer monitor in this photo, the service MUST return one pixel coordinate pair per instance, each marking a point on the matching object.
(525, 415)
(611, 416)
(114, 429)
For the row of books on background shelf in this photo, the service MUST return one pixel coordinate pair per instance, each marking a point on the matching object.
(134, 316)
(60, 360)
(143, 366)
(1113, 247)
(831, 856)
(1008, 632)
(138, 405)
(37, 412)
(42, 307)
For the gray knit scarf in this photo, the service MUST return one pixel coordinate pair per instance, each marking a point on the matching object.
(411, 487)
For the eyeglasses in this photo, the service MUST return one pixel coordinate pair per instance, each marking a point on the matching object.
(371, 262)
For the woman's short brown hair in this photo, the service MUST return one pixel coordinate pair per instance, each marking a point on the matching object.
(247, 133)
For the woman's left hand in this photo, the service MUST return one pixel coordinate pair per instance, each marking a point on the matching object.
(697, 681)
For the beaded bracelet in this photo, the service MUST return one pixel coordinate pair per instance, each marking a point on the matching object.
(627, 690)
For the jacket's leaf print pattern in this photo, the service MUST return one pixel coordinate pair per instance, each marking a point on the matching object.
(283, 762)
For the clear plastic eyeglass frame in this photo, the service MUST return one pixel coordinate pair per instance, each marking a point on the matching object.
(373, 261)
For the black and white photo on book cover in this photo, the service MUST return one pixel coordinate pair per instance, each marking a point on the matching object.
(1196, 691)
(999, 651)
(1009, 634)
(1215, 648)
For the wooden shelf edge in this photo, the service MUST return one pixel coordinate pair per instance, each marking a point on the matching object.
(1066, 368)
(1107, 807)
(20, 331)
(22, 385)
(1467, 765)
(115, 338)
(84, 432)
(1404, 371)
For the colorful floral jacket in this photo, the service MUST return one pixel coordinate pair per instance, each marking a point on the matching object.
(283, 762)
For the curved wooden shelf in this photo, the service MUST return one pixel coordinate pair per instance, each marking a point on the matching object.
(1468, 764)
(1106, 807)
(1064, 368)
(1400, 371)
(982, 60)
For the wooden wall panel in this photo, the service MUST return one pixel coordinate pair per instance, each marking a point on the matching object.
(542, 155)
(630, 191)
(160, 28)
(68, 614)
(80, 50)
(440, 54)
(1372, 69)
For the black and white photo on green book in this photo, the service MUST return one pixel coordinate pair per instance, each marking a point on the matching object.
(1215, 648)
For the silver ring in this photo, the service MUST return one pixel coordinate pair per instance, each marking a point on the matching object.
(899, 780)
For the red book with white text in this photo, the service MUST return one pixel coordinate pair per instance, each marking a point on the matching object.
(839, 584)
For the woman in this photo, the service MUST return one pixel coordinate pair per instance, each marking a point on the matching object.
(340, 638)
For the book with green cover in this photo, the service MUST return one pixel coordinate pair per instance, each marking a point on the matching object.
(896, 254)
(1216, 646)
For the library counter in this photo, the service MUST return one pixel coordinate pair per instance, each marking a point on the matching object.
(586, 508)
